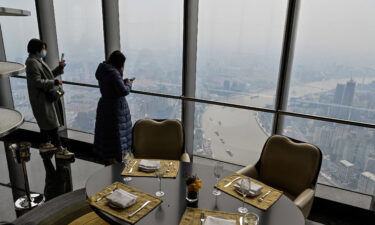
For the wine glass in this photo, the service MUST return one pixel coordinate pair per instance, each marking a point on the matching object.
(244, 189)
(159, 174)
(126, 159)
(218, 170)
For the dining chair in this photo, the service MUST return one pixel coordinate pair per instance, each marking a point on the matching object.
(291, 166)
(159, 139)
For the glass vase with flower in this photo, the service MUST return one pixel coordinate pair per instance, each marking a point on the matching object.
(193, 184)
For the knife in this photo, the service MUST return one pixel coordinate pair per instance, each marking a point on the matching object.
(139, 209)
(228, 184)
(131, 168)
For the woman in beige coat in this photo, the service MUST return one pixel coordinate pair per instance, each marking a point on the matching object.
(49, 115)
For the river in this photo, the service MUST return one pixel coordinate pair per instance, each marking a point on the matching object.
(238, 130)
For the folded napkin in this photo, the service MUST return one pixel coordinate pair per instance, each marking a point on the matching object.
(252, 188)
(211, 220)
(149, 164)
(121, 198)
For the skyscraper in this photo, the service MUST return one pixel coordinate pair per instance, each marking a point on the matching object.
(347, 99)
(344, 95)
(339, 92)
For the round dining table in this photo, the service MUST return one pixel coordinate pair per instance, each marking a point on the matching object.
(170, 211)
(8, 69)
(10, 120)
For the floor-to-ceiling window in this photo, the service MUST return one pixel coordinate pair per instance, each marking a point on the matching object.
(333, 76)
(151, 38)
(79, 27)
(17, 32)
(239, 49)
(238, 60)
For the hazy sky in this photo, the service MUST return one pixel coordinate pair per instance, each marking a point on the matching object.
(343, 30)
(151, 24)
(17, 31)
(79, 26)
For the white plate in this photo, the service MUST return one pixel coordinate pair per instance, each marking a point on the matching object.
(147, 170)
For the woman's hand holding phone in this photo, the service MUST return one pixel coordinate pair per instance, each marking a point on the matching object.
(62, 61)
(129, 80)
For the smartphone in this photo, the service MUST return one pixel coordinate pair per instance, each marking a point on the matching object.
(132, 79)
(62, 57)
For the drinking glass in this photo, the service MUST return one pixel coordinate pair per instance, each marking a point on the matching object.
(244, 189)
(218, 170)
(126, 159)
(251, 219)
(159, 174)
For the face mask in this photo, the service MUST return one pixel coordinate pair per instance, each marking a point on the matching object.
(43, 53)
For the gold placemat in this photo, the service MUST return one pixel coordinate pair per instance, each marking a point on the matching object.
(89, 219)
(172, 166)
(264, 205)
(192, 216)
(123, 213)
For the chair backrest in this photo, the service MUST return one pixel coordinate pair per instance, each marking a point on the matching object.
(158, 139)
(289, 164)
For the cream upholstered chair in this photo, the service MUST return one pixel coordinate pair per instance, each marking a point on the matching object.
(291, 166)
(159, 139)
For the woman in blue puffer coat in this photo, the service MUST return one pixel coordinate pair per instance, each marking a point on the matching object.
(113, 126)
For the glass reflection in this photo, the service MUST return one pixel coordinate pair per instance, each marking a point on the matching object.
(58, 179)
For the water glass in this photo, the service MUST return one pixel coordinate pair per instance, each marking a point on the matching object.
(159, 174)
(218, 171)
(251, 219)
(126, 159)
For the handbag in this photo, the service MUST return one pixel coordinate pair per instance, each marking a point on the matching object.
(55, 93)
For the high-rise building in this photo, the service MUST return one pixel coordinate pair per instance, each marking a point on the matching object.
(366, 183)
(348, 96)
(345, 171)
(339, 93)
(344, 95)
(370, 164)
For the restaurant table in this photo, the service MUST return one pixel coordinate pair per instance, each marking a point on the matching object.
(11, 68)
(170, 211)
(10, 120)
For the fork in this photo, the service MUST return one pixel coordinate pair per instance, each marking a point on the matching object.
(131, 168)
(202, 218)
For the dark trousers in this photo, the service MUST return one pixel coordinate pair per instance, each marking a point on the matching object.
(52, 136)
(59, 180)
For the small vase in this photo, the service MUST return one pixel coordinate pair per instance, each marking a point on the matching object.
(192, 199)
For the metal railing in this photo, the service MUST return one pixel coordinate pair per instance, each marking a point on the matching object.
(237, 106)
